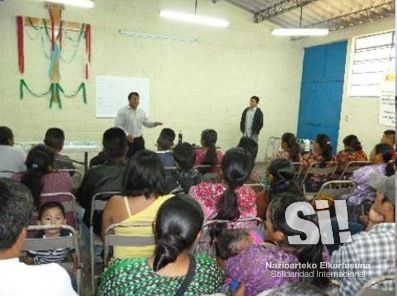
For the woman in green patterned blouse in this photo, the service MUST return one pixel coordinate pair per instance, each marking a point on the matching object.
(171, 271)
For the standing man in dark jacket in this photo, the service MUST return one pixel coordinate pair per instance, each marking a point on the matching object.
(252, 120)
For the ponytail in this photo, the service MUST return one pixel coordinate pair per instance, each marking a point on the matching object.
(167, 250)
(208, 139)
(228, 209)
(237, 165)
(178, 222)
(228, 206)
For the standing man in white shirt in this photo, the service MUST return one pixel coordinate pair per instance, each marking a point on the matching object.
(131, 119)
(17, 278)
(252, 120)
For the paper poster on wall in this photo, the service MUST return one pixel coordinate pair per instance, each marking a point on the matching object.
(387, 105)
(112, 94)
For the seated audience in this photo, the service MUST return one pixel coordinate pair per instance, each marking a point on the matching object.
(353, 152)
(51, 213)
(186, 175)
(371, 253)
(279, 178)
(165, 143)
(251, 147)
(290, 148)
(107, 176)
(208, 154)
(321, 155)
(171, 270)
(250, 267)
(389, 137)
(144, 191)
(363, 196)
(40, 176)
(55, 139)
(12, 160)
(322, 151)
(17, 278)
(229, 200)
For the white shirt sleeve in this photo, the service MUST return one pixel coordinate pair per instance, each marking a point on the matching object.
(146, 122)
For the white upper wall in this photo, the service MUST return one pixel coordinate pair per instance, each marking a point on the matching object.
(192, 86)
(360, 116)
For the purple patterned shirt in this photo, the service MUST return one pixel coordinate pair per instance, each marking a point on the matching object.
(362, 189)
(257, 268)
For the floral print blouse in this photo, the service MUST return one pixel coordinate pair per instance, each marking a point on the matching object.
(209, 194)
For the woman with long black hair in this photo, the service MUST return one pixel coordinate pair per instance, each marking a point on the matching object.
(208, 155)
(171, 270)
(290, 148)
(228, 200)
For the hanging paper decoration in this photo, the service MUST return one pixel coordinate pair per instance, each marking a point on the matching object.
(55, 90)
(21, 58)
(56, 55)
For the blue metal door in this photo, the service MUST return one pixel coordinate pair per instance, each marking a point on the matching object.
(322, 91)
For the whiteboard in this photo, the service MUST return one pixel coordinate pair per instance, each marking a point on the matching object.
(112, 94)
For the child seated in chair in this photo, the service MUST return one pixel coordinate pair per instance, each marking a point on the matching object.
(52, 213)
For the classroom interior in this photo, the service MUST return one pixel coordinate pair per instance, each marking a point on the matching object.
(194, 76)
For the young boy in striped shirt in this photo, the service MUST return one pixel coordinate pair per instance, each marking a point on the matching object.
(51, 213)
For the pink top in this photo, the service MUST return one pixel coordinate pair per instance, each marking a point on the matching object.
(200, 157)
(53, 182)
(209, 194)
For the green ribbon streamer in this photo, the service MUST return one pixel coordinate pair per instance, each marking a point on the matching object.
(31, 24)
(80, 88)
(55, 93)
(23, 85)
(55, 90)
(46, 29)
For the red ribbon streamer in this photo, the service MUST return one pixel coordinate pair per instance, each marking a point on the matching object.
(52, 30)
(88, 41)
(60, 35)
(86, 71)
(21, 56)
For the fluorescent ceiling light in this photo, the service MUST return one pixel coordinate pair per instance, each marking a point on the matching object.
(193, 18)
(300, 32)
(79, 3)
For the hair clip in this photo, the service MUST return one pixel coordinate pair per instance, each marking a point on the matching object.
(328, 142)
(35, 166)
